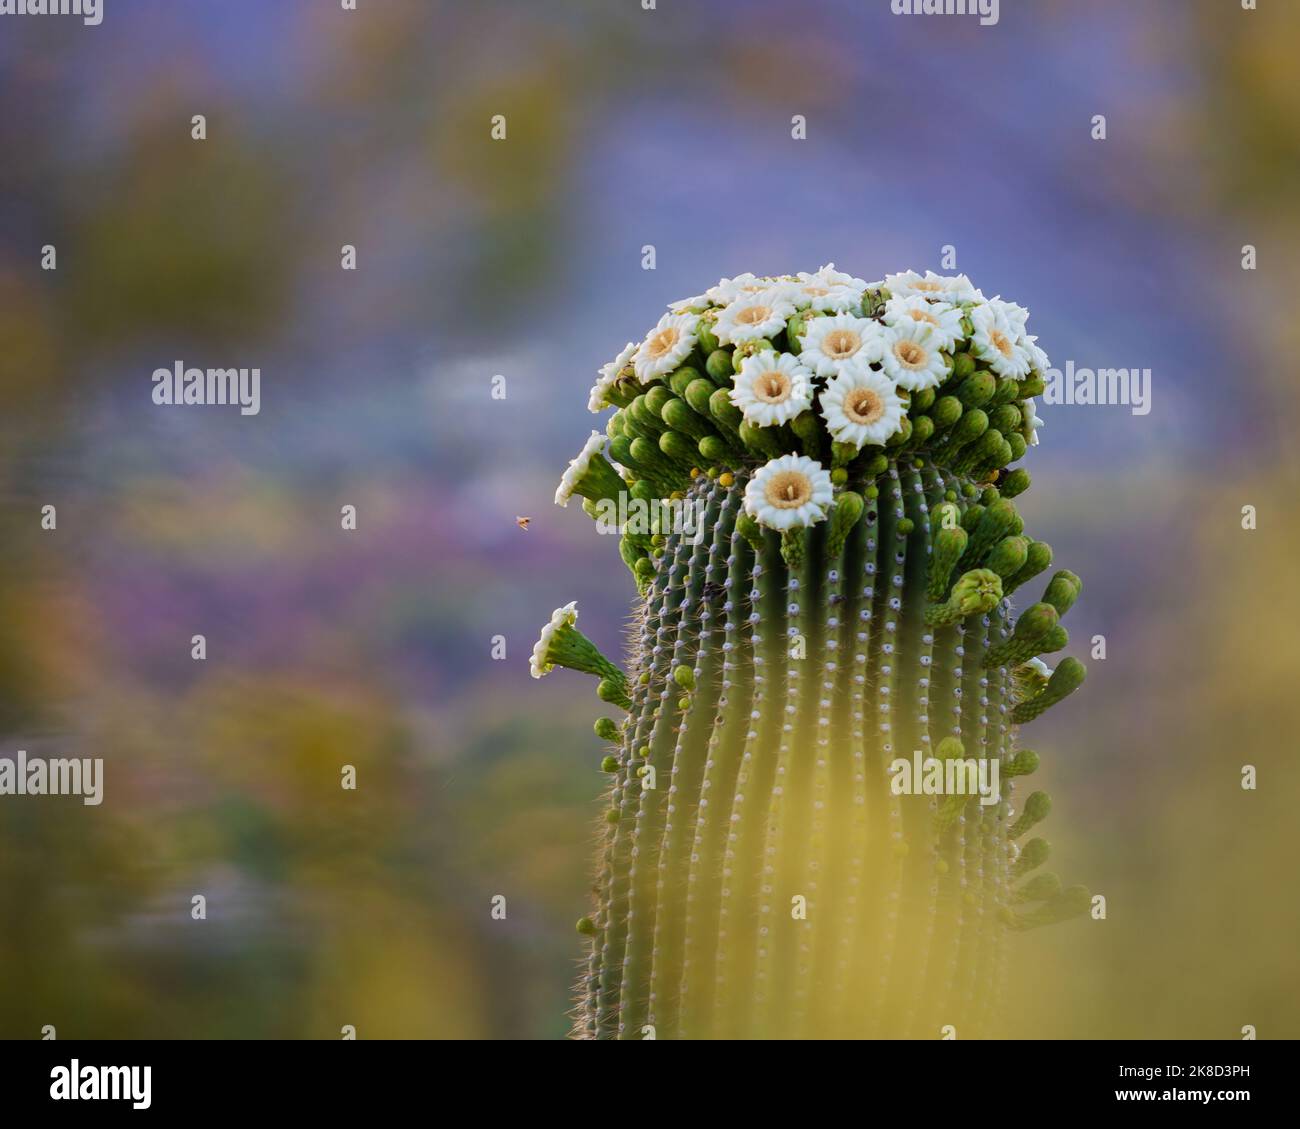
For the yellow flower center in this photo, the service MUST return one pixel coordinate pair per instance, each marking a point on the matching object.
(662, 342)
(925, 316)
(840, 344)
(788, 490)
(910, 354)
(753, 315)
(932, 287)
(864, 405)
(1001, 343)
(772, 387)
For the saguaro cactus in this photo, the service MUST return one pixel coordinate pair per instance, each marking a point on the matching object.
(835, 616)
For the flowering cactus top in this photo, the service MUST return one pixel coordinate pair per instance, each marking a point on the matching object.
(803, 381)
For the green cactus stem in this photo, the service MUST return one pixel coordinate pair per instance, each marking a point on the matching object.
(765, 869)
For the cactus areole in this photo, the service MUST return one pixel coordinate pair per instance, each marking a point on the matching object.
(812, 827)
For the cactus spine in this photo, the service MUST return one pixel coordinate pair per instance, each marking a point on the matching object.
(805, 657)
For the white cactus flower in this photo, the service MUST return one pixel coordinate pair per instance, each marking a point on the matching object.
(772, 388)
(789, 492)
(861, 408)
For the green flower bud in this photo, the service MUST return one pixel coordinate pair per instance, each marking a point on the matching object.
(1034, 623)
(1007, 391)
(609, 764)
(697, 394)
(680, 416)
(980, 451)
(1070, 902)
(656, 397)
(950, 748)
(641, 420)
(1065, 680)
(844, 515)
(704, 335)
(1008, 556)
(876, 466)
(725, 412)
(1037, 807)
(750, 530)
(1040, 559)
(714, 449)
(1062, 591)
(614, 691)
(1015, 483)
(963, 364)
(1032, 855)
(761, 440)
(1038, 889)
(1024, 763)
(975, 593)
(682, 377)
(997, 521)
(902, 435)
(646, 453)
(977, 389)
(719, 366)
(807, 427)
(947, 411)
(970, 427)
(793, 543)
(680, 447)
(922, 430)
(1005, 418)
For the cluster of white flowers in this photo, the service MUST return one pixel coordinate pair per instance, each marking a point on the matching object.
(857, 360)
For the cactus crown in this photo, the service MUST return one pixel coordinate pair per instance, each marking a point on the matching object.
(810, 377)
(810, 479)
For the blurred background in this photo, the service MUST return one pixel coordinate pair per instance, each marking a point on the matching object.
(523, 258)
